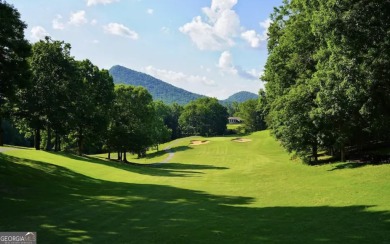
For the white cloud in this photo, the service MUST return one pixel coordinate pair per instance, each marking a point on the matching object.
(78, 18)
(217, 31)
(38, 33)
(178, 77)
(225, 63)
(57, 24)
(120, 30)
(104, 2)
(150, 11)
(94, 22)
(254, 39)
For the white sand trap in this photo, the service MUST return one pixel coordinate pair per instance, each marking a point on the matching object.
(241, 140)
(198, 142)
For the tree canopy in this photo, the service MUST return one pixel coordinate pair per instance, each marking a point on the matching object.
(204, 116)
(328, 74)
(14, 50)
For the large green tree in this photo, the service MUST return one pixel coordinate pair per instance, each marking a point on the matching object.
(204, 116)
(14, 50)
(49, 102)
(132, 120)
(288, 72)
(93, 99)
(252, 117)
(328, 74)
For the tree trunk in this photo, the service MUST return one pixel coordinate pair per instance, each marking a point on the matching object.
(56, 142)
(59, 143)
(48, 143)
(37, 139)
(81, 142)
(342, 153)
(315, 153)
(1, 132)
(119, 155)
(124, 156)
(109, 155)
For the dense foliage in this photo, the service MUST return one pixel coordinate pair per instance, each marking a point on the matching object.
(14, 50)
(328, 75)
(204, 116)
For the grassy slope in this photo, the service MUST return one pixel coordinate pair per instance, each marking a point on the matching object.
(218, 192)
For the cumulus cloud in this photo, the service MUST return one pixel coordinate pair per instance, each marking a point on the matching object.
(253, 38)
(150, 11)
(96, 2)
(120, 30)
(217, 30)
(78, 18)
(226, 65)
(178, 77)
(38, 33)
(57, 24)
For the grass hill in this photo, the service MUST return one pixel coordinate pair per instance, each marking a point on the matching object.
(159, 89)
(219, 192)
(163, 91)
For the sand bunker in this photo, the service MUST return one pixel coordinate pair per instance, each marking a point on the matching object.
(198, 142)
(241, 140)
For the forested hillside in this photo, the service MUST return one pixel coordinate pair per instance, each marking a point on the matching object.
(240, 97)
(165, 92)
(159, 89)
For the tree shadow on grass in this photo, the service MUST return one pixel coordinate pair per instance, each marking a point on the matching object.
(353, 165)
(66, 207)
(152, 169)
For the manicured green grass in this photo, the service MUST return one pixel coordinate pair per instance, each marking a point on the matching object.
(238, 128)
(220, 192)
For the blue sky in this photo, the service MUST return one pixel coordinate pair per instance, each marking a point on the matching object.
(210, 47)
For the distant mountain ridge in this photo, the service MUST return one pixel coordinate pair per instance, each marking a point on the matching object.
(240, 97)
(163, 91)
(159, 89)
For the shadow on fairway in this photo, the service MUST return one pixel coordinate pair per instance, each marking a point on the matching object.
(63, 206)
(152, 169)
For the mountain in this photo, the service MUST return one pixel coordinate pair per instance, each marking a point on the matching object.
(159, 89)
(240, 97)
(163, 91)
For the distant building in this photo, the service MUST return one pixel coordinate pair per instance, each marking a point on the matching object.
(235, 120)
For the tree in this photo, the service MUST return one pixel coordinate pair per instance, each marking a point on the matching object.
(14, 50)
(204, 116)
(132, 121)
(289, 71)
(353, 72)
(251, 115)
(93, 99)
(328, 74)
(48, 101)
(170, 116)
